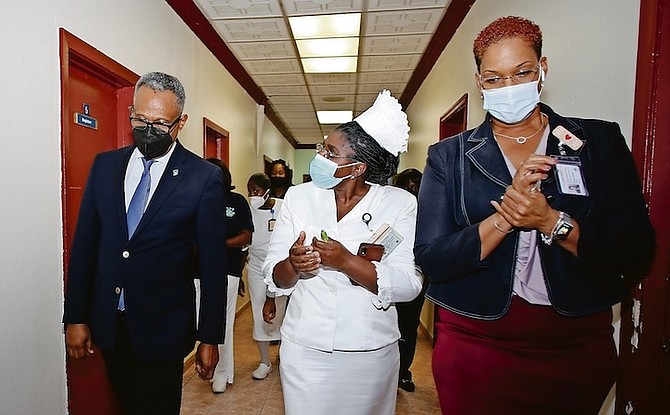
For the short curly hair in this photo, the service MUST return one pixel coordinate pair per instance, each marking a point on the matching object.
(505, 28)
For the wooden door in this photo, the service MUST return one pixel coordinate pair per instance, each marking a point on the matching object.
(643, 386)
(96, 93)
(216, 141)
(455, 120)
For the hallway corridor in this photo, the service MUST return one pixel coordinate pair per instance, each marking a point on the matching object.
(247, 396)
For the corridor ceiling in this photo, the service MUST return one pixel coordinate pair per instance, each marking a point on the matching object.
(400, 40)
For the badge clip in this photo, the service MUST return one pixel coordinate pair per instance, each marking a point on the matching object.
(567, 138)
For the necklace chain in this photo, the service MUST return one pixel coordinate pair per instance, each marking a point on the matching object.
(522, 139)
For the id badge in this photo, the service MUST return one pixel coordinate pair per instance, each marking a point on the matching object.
(271, 224)
(570, 176)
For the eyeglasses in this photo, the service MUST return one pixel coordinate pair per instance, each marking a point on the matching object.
(321, 149)
(142, 124)
(521, 77)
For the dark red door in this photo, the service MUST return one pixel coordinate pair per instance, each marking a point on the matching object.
(94, 115)
(644, 380)
(216, 142)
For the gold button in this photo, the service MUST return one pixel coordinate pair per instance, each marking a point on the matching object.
(117, 290)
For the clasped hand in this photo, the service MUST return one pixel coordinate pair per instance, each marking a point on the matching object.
(307, 258)
(523, 205)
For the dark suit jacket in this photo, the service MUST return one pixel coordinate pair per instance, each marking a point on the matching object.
(464, 173)
(186, 209)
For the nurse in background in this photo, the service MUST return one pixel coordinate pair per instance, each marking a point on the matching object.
(281, 178)
(268, 312)
(239, 229)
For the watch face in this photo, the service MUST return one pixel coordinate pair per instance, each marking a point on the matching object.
(563, 230)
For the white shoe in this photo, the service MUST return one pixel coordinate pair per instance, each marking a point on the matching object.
(262, 371)
(219, 384)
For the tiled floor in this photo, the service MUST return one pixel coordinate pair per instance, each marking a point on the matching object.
(247, 396)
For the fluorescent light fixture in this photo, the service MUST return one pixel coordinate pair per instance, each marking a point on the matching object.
(329, 65)
(333, 25)
(311, 48)
(334, 117)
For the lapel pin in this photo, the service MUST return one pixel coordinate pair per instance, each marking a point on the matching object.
(175, 172)
(567, 138)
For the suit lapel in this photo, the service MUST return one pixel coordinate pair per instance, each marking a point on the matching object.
(171, 177)
(485, 155)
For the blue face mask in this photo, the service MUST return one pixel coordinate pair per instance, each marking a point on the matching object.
(323, 171)
(512, 104)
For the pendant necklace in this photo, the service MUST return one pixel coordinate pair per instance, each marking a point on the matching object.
(521, 139)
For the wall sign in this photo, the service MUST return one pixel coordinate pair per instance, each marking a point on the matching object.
(85, 119)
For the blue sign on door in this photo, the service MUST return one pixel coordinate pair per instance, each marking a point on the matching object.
(85, 120)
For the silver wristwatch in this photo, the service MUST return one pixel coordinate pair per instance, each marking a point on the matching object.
(561, 229)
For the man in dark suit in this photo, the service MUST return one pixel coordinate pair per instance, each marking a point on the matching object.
(129, 288)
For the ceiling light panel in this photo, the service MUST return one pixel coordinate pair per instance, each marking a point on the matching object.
(334, 117)
(333, 25)
(311, 48)
(330, 65)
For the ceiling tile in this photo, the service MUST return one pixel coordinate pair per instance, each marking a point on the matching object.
(272, 66)
(293, 99)
(307, 7)
(384, 77)
(252, 30)
(219, 9)
(376, 5)
(280, 79)
(330, 78)
(329, 90)
(263, 50)
(285, 90)
(402, 22)
(389, 45)
(388, 63)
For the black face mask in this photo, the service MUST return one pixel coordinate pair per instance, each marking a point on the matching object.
(279, 182)
(151, 142)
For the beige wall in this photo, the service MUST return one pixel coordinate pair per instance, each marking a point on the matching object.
(591, 48)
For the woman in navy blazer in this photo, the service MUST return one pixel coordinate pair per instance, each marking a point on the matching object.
(526, 225)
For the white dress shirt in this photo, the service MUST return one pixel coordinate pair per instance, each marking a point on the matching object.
(327, 312)
(134, 173)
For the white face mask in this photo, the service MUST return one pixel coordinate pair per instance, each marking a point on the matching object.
(257, 202)
(511, 104)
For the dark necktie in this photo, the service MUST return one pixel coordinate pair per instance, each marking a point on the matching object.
(139, 201)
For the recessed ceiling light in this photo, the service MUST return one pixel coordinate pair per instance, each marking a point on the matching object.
(333, 99)
(333, 25)
(329, 65)
(311, 48)
(334, 117)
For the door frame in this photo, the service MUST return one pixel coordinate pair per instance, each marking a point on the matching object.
(456, 116)
(92, 391)
(76, 52)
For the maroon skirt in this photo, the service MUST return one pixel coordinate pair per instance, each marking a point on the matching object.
(532, 361)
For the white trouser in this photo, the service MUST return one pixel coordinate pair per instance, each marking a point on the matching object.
(226, 366)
